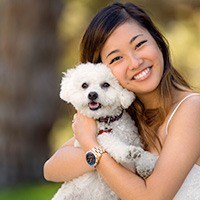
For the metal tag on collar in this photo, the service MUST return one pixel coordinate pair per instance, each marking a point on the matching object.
(109, 120)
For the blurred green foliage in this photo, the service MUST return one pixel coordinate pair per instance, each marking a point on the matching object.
(61, 132)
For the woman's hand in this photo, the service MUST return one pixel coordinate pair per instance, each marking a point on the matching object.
(85, 130)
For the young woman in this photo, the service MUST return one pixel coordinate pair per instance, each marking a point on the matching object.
(166, 111)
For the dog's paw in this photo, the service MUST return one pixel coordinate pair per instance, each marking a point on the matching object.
(144, 172)
(145, 165)
(134, 153)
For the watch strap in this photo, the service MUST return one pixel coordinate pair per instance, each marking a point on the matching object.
(97, 152)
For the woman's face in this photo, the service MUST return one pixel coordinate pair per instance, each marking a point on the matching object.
(134, 58)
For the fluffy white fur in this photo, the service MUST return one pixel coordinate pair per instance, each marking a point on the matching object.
(122, 143)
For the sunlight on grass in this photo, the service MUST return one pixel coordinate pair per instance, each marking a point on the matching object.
(42, 191)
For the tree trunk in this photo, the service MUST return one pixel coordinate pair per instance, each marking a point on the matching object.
(28, 86)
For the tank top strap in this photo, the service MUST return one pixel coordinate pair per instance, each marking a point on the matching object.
(176, 108)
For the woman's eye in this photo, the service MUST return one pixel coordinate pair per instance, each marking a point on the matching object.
(140, 44)
(84, 85)
(105, 85)
(115, 59)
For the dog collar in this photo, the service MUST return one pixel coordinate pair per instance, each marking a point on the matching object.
(110, 119)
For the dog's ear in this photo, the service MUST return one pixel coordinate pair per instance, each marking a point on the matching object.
(126, 98)
(66, 85)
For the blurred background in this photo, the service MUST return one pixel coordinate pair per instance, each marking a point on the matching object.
(39, 40)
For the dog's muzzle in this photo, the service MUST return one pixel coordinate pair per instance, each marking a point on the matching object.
(93, 105)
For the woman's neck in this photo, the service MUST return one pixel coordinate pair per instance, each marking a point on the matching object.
(150, 100)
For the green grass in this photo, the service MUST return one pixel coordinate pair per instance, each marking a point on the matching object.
(42, 191)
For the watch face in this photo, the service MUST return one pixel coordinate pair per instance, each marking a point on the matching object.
(90, 158)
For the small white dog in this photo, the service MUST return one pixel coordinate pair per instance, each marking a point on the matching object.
(94, 91)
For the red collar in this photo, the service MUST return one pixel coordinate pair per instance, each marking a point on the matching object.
(104, 131)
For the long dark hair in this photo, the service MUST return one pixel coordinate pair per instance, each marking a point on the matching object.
(99, 30)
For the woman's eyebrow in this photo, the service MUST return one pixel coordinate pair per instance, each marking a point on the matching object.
(114, 51)
(135, 37)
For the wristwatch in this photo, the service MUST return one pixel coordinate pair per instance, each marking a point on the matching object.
(93, 156)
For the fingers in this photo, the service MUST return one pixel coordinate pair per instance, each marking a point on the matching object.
(74, 118)
(75, 121)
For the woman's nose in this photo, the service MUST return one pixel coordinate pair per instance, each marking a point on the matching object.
(134, 62)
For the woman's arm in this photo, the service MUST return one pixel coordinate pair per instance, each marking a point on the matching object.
(180, 152)
(67, 163)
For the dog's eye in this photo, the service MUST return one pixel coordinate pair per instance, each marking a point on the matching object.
(105, 85)
(84, 85)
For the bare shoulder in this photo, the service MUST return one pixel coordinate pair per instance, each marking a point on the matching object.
(187, 116)
(190, 107)
(193, 98)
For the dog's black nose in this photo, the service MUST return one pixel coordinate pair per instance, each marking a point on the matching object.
(92, 96)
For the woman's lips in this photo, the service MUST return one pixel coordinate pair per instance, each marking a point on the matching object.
(143, 74)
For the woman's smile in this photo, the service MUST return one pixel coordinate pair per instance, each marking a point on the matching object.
(143, 74)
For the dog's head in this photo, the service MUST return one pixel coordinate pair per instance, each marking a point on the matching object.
(94, 91)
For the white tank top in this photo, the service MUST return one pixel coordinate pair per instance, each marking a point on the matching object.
(190, 189)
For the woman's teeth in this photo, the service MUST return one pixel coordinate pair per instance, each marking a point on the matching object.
(142, 74)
